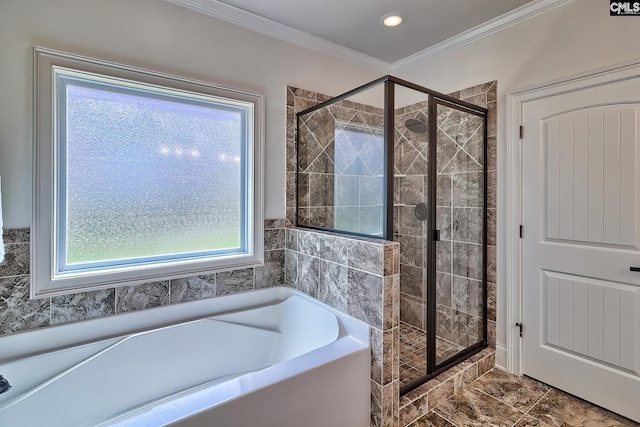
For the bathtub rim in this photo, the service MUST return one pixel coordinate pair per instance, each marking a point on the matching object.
(43, 340)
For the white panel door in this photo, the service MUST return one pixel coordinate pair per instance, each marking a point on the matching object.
(581, 199)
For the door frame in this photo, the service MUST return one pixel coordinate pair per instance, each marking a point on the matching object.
(516, 99)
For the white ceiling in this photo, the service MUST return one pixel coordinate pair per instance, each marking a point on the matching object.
(351, 29)
(356, 23)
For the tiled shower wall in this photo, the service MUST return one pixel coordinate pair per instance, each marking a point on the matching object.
(19, 313)
(458, 206)
(410, 188)
(340, 160)
(485, 95)
(459, 199)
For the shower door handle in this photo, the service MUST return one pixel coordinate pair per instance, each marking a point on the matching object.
(436, 235)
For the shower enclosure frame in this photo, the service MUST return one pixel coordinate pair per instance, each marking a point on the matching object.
(434, 368)
(434, 99)
(387, 196)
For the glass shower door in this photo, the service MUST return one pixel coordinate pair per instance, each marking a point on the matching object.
(411, 201)
(460, 236)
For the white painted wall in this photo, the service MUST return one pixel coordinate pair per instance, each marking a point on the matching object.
(572, 39)
(160, 36)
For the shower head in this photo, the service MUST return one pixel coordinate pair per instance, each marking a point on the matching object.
(415, 126)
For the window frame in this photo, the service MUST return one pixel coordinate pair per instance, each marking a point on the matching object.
(46, 278)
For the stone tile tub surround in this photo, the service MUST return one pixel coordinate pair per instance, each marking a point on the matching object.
(360, 277)
(19, 313)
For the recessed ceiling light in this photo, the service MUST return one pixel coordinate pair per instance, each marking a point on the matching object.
(391, 19)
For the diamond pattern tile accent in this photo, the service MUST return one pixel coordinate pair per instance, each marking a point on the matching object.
(308, 149)
(404, 155)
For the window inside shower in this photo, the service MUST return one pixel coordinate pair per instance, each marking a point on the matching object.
(401, 162)
(359, 178)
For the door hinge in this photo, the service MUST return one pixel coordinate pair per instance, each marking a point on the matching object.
(520, 325)
(521, 231)
(521, 132)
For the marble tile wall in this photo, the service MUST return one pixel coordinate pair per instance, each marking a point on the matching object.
(359, 277)
(464, 220)
(19, 313)
(459, 214)
(340, 160)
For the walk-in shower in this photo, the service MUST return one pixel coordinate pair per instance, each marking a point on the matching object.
(397, 161)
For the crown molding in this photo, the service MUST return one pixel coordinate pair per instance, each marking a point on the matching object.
(271, 28)
(279, 31)
(516, 16)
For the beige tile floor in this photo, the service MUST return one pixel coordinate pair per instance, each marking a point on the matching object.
(501, 399)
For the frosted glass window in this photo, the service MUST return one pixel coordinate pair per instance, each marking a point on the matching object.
(140, 176)
(149, 176)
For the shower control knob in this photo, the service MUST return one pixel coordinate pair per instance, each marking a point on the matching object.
(421, 211)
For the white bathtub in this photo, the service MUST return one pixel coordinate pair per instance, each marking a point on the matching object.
(273, 357)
